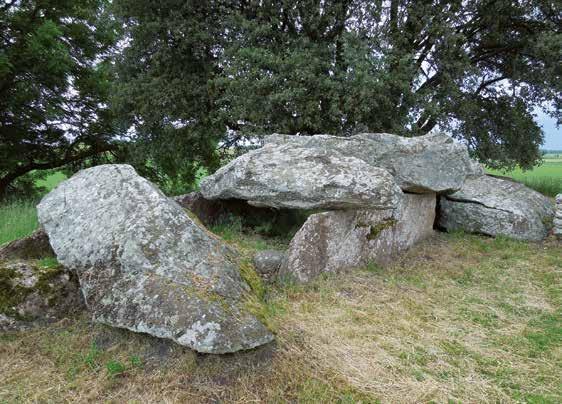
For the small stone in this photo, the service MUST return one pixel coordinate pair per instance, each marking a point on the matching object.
(34, 246)
(30, 294)
(268, 262)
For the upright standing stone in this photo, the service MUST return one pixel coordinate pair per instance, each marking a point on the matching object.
(144, 265)
(334, 241)
(558, 217)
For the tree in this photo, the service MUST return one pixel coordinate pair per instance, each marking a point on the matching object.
(55, 80)
(164, 93)
(230, 71)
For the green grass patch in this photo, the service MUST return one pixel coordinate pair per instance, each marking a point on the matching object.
(48, 263)
(17, 219)
(545, 178)
(545, 332)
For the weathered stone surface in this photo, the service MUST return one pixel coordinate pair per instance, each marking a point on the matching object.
(33, 246)
(268, 262)
(292, 177)
(145, 265)
(496, 206)
(424, 164)
(557, 230)
(32, 294)
(342, 240)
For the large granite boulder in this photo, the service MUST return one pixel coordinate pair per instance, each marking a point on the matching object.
(497, 206)
(34, 246)
(31, 293)
(285, 176)
(424, 164)
(333, 241)
(145, 265)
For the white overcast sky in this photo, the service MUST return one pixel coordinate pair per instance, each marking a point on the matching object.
(552, 134)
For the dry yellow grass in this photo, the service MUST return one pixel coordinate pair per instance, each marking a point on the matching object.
(459, 318)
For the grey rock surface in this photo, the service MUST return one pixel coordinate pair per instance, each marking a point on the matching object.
(557, 230)
(424, 164)
(34, 246)
(496, 206)
(343, 240)
(268, 262)
(33, 294)
(145, 265)
(285, 176)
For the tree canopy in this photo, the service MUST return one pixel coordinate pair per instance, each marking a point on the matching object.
(196, 73)
(54, 84)
(193, 77)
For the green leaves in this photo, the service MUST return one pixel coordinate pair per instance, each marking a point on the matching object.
(342, 67)
(54, 86)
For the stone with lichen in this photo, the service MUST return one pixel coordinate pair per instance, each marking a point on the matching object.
(557, 222)
(423, 164)
(34, 246)
(497, 206)
(31, 293)
(145, 265)
(292, 177)
(336, 241)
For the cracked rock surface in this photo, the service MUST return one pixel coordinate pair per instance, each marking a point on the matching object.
(145, 265)
(496, 206)
(423, 164)
(288, 176)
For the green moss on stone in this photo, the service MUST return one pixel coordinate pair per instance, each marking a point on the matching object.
(548, 221)
(375, 230)
(11, 294)
(249, 274)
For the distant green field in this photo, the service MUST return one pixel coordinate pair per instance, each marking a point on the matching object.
(51, 180)
(546, 178)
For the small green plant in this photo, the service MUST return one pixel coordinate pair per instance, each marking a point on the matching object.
(373, 267)
(229, 228)
(115, 368)
(91, 358)
(136, 362)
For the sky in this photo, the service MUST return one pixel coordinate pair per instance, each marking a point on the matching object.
(552, 134)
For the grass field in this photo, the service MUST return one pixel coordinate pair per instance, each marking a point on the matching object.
(19, 218)
(546, 178)
(458, 319)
